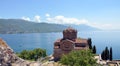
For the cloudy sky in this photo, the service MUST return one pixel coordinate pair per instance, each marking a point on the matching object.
(104, 14)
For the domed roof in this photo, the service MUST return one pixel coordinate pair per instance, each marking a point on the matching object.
(70, 33)
(70, 29)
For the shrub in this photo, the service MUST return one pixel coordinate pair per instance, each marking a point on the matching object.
(32, 54)
(79, 58)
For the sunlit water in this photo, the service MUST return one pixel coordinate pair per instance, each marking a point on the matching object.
(101, 39)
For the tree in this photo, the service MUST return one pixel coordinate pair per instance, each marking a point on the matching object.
(94, 49)
(103, 55)
(79, 58)
(111, 54)
(106, 53)
(89, 43)
(32, 54)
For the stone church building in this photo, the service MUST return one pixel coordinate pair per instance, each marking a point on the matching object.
(68, 43)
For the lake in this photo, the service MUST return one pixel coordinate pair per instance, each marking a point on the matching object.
(101, 39)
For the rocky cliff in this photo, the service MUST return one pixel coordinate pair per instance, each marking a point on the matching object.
(9, 58)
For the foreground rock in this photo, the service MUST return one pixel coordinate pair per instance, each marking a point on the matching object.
(8, 57)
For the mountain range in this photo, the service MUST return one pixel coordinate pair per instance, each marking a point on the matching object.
(10, 26)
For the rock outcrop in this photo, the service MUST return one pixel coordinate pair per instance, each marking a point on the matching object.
(9, 58)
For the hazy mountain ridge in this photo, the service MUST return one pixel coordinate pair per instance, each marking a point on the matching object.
(8, 26)
(22, 26)
(84, 27)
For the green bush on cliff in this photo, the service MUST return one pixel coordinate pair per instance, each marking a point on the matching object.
(79, 58)
(32, 54)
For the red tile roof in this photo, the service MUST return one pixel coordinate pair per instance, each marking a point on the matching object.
(80, 40)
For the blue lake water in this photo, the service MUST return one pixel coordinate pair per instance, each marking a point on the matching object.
(30, 41)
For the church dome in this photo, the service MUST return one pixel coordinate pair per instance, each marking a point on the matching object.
(69, 33)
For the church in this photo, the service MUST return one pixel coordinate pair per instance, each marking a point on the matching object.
(68, 43)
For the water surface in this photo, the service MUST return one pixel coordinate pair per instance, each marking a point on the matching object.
(30, 41)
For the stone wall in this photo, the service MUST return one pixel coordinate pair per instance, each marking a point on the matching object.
(66, 45)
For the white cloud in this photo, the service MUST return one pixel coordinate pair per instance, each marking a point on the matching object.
(65, 20)
(26, 18)
(105, 26)
(37, 18)
(47, 15)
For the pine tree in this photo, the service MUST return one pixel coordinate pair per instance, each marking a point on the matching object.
(94, 49)
(89, 43)
(111, 54)
(106, 53)
(103, 55)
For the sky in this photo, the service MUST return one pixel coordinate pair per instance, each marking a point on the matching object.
(103, 14)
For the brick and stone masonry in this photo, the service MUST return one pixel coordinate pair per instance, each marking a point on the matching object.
(68, 43)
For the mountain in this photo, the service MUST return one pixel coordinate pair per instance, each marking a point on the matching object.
(8, 26)
(84, 27)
